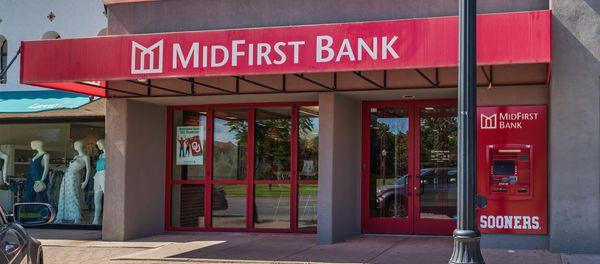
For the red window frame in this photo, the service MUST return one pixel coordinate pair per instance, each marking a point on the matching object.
(249, 182)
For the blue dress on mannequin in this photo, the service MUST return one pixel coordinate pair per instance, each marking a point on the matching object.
(36, 170)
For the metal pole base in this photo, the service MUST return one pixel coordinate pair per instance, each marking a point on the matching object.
(466, 247)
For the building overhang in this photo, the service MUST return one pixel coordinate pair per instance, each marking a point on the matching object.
(391, 54)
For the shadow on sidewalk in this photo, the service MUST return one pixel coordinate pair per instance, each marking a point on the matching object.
(213, 247)
(301, 248)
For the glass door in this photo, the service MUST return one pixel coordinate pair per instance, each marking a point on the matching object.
(387, 165)
(409, 167)
(436, 162)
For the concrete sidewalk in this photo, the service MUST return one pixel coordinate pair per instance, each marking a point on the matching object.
(69, 246)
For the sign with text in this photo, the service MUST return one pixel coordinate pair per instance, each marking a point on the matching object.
(190, 148)
(512, 169)
(522, 37)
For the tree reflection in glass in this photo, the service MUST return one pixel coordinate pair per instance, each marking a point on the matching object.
(230, 144)
(438, 142)
(308, 143)
(388, 181)
(272, 143)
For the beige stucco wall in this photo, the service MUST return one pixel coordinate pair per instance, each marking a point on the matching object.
(134, 200)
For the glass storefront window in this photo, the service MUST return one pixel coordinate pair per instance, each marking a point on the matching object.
(27, 150)
(229, 206)
(307, 206)
(252, 194)
(308, 143)
(271, 206)
(187, 205)
(272, 143)
(188, 144)
(230, 148)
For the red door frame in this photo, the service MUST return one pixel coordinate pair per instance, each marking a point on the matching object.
(208, 181)
(412, 224)
(381, 224)
(427, 226)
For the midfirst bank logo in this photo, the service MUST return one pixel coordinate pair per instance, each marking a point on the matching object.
(146, 59)
(489, 122)
(507, 120)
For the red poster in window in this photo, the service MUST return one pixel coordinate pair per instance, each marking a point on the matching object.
(512, 169)
(196, 146)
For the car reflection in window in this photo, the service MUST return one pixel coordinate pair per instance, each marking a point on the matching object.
(433, 181)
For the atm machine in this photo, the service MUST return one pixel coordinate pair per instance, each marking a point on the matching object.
(512, 169)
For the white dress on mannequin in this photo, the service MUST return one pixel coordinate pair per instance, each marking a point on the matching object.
(69, 199)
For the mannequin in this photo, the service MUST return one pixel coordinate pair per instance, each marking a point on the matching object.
(99, 182)
(69, 199)
(35, 184)
(4, 167)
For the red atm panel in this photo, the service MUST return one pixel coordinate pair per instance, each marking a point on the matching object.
(512, 169)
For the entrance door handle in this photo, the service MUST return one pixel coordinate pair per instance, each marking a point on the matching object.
(421, 186)
(406, 185)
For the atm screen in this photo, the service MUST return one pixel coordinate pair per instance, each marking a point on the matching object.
(504, 167)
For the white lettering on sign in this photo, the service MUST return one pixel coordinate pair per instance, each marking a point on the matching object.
(149, 58)
(326, 52)
(178, 54)
(506, 120)
(143, 58)
(516, 222)
(221, 55)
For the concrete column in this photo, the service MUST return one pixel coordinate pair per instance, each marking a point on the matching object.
(574, 167)
(134, 199)
(339, 168)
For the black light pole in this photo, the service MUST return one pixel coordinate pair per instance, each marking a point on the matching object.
(466, 236)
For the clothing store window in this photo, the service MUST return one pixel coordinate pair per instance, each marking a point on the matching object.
(61, 164)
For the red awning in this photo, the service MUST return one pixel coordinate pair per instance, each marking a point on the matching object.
(69, 64)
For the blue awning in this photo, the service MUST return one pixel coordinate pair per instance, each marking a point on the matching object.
(38, 101)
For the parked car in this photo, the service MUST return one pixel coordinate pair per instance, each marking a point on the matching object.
(437, 193)
(16, 245)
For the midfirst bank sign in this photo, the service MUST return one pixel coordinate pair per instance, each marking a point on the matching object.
(357, 46)
(506, 120)
(379, 45)
(150, 59)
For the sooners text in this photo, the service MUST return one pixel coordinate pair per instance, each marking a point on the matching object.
(509, 222)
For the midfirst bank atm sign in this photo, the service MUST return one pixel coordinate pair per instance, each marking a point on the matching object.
(506, 120)
(512, 169)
